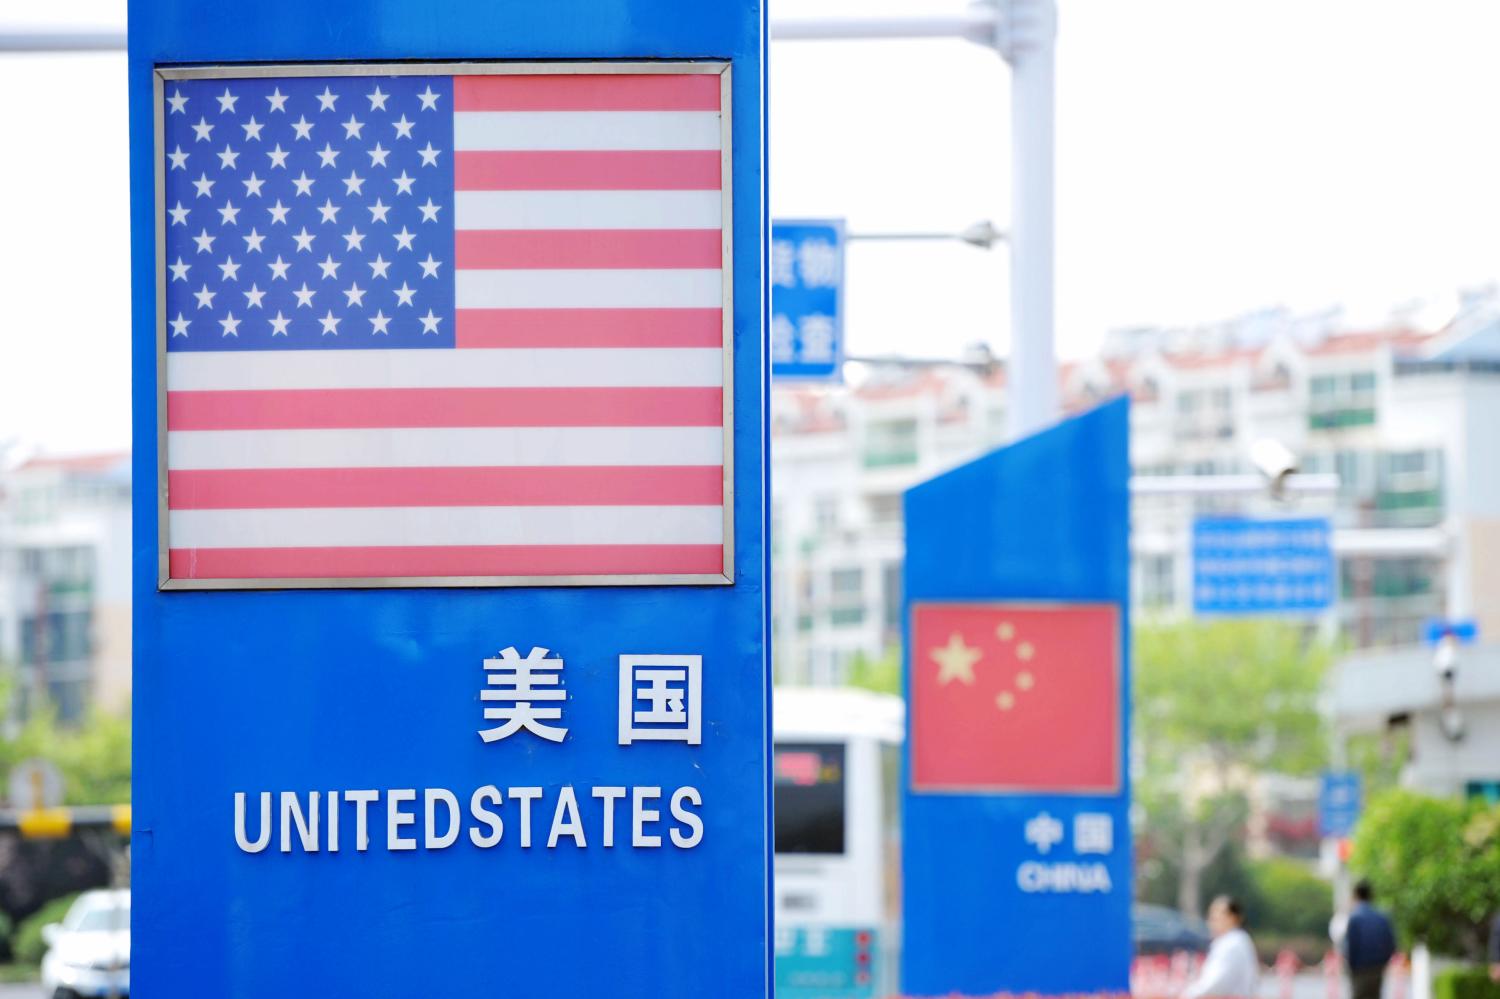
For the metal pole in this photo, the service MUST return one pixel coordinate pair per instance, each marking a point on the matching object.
(101, 39)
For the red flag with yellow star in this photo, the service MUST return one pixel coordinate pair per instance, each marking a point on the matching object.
(1015, 696)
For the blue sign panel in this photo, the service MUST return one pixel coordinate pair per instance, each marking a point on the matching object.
(1246, 566)
(807, 292)
(1339, 799)
(427, 783)
(1016, 848)
(1465, 630)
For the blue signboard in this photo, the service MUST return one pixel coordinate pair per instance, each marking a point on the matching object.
(807, 292)
(1464, 630)
(1016, 847)
(1339, 798)
(1248, 566)
(449, 626)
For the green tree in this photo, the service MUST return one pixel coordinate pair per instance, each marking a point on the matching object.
(882, 675)
(93, 755)
(1231, 698)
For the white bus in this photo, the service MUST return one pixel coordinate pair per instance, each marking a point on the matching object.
(836, 774)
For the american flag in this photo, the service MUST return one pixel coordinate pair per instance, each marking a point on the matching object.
(432, 327)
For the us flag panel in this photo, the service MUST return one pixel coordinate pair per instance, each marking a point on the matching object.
(430, 327)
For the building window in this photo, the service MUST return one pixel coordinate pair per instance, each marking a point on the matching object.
(885, 508)
(890, 598)
(1158, 581)
(890, 443)
(846, 602)
(1341, 400)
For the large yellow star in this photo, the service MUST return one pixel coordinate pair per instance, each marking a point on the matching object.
(955, 660)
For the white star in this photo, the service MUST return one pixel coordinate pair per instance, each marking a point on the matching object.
(353, 183)
(278, 157)
(277, 100)
(326, 99)
(378, 155)
(278, 269)
(429, 211)
(403, 127)
(428, 99)
(229, 270)
(205, 297)
(430, 322)
(227, 158)
(178, 158)
(378, 323)
(179, 270)
(203, 130)
(278, 212)
(404, 294)
(330, 267)
(302, 127)
(377, 99)
(429, 266)
(378, 211)
(252, 129)
(229, 215)
(178, 102)
(330, 210)
(231, 325)
(379, 266)
(253, 297)
(204, 185)
(355, 294)
(352, 127)
(404, 238)
(253, 241)
(330, 324)
(304, 295)
(303, 183)
(429, 155)
(179, 214)
(205, 241)
(253, 184)
(226, 101)
(180, 325)
(403, 183)
(278, 325)
(304, 240)
(354, 239)
(327, 154)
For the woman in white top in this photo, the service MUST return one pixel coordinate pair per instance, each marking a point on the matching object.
(1231, 969)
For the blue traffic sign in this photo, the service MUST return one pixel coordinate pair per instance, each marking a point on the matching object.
(1463, 630)
(1249, 566)
(1339, 801)
(451, 669)
(807, 299)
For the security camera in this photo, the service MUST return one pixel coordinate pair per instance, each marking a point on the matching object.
(1275, 461)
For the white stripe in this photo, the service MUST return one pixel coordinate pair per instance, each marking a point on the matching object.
(508, 130)
(588, 209)
(450, 525)
(445, 447)
(589, 289)
(569, 367)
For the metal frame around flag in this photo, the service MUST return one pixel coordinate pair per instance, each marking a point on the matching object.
(1115, 673)
(161, 74)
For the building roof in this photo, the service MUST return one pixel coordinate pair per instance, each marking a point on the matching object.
(104, 461)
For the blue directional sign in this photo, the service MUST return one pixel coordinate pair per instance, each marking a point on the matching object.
(1463, 630)
(1016, 847)
(807, 292)
(1251, 566)
(449, 603)
(1339, 800)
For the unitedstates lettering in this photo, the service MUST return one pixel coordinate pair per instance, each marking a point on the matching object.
(435, 818)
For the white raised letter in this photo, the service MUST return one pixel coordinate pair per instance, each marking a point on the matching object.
(434, 795)
(362, 800)
(570, 824)
(264, 839)
(307, 826)
(525, 795)
(642, 815)
(481, 814)
(395, 819)
(609, 795)
(333, 822)
(687, 818)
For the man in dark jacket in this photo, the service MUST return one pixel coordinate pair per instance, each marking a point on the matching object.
(1369, 944)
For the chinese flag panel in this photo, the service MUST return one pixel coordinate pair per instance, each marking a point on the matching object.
(1015, 696)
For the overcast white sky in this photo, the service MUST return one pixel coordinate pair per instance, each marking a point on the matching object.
(1214, 157)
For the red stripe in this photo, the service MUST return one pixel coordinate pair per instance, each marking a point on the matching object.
(494, 560)
(590, 327)
(272, 488)
(335, 409)
(574, 92)
(584, 249)
(573, 170)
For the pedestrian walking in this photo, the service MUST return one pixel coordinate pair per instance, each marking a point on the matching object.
(1369, 944)
(1231, 968)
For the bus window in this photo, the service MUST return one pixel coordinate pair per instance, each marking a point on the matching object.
(809, 798)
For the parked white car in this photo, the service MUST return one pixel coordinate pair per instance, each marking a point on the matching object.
(88, 953)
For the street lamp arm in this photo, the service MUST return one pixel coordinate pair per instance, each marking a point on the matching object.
(977, 24)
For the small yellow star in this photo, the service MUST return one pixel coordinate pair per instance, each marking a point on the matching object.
(1024, 651)
(1025, 681)
(1006, 700)
(955, 660)
(1006, 631)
